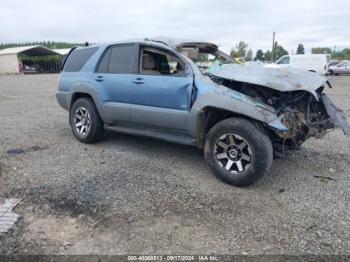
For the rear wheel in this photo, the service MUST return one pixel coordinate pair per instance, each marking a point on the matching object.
(85, 121)
(238, 152)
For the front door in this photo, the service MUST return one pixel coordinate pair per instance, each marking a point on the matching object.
(161, 92)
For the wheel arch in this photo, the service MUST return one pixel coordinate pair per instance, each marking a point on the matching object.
(77, 95)
(85, 89)
(210, 115)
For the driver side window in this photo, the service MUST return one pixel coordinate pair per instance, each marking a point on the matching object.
(156, 62)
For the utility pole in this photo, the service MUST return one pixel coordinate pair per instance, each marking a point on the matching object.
(273, 48)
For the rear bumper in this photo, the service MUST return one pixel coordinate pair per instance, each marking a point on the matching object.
(64, 99)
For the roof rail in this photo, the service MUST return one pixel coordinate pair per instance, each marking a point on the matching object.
(156, 41)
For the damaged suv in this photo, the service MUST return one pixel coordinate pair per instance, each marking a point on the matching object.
(241, 116)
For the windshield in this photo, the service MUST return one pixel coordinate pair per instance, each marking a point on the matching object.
(206, 56)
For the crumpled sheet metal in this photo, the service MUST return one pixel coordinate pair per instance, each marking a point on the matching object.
(337, 115)
(282, 79)
(7, 217)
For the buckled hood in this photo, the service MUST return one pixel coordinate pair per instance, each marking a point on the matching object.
(281, 79)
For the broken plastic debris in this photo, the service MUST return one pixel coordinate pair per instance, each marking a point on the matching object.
(7, 217)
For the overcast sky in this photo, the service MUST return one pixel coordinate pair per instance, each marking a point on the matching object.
(311, 22)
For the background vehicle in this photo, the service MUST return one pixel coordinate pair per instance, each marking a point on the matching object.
(152, 89)
(317, 63)
(341, 68)
(29, 69)
(333, 63)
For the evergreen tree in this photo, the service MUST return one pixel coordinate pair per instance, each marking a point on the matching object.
(300, 49)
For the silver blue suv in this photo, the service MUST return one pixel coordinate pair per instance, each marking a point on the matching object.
(194, 94)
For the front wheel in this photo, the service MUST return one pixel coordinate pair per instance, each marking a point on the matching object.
(238, 152)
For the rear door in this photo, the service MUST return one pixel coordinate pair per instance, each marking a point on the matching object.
(114, 77)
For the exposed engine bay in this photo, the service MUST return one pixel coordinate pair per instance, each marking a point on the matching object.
(300, 111)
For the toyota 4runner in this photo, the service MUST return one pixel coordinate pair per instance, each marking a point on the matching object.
(241, 116)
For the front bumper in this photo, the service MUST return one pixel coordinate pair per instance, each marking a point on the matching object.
(64, 99)
(337, 115)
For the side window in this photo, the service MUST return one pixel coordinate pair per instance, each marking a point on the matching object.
(78, 58)
(155, 62)
(103, 65)
(117, 60)
(284, 60)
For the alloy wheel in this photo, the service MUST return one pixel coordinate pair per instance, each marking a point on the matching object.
(82, 121)
(233, 153)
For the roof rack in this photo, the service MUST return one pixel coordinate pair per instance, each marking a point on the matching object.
(156, 41)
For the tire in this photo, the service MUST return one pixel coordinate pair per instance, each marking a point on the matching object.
(93, 126)
(330, 72)
(256, 156)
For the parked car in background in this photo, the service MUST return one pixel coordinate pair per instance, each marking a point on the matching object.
(341, 68)
(239, 115)
(316, 63)
(29, 69)
(333, 63)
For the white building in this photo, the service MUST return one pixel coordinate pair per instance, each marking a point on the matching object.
(9, 62)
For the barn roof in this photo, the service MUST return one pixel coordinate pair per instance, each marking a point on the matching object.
(35, 50)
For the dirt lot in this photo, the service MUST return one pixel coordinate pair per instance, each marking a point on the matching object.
(136, 195)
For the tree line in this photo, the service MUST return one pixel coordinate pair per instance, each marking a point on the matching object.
(338, 55)
(242, 51)
(48, 44)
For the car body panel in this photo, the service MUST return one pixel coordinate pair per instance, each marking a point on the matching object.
(221, 97)
(281, 79)
(336, 115)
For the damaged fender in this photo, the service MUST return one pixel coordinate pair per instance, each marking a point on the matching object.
(224, 98)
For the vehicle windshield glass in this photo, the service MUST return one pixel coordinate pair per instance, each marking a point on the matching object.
(209, 61)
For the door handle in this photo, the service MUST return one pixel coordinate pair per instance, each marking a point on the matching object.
(139, 80)
(99, 78)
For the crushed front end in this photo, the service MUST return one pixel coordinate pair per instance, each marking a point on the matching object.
(302, 108)
(306, 115)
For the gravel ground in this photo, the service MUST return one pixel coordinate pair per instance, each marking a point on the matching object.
(136, 195)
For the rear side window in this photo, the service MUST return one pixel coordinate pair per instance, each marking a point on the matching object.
(118, 60)
(78, 58)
